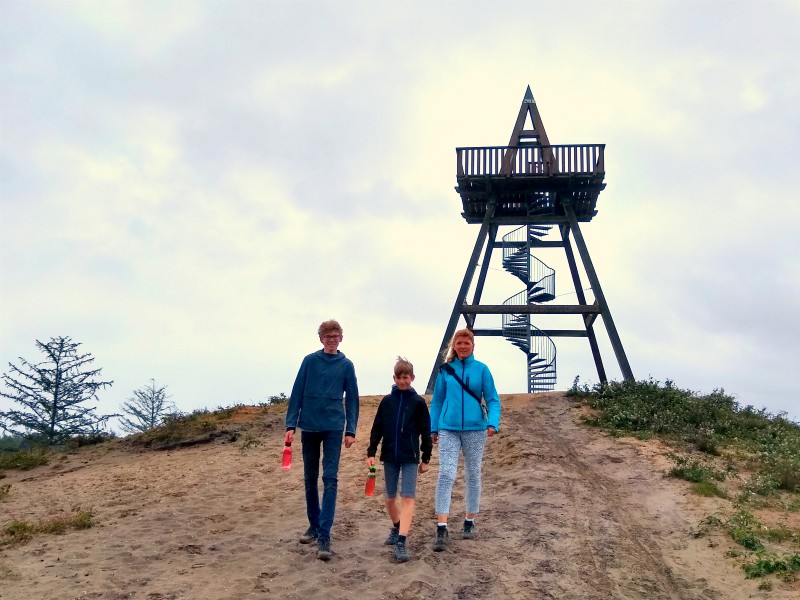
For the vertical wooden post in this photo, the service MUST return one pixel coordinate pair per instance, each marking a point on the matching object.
(462, 292)
(587, 319)
(487, 256)
(613, 336)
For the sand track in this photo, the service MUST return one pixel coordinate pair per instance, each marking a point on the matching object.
(567, 513)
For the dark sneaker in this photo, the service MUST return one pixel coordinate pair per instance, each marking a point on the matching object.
(440, 543)
(469, 530)
(400, 552)
(323, 549)
(309, 537)
(394, 534)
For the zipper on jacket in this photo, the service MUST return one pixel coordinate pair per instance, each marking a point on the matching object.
(398, 429)
(463, 372)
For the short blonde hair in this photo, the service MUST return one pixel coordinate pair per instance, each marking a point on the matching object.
(403, 367)
(449, 354)
(330, 326)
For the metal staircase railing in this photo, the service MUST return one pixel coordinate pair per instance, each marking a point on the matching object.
(540, 287)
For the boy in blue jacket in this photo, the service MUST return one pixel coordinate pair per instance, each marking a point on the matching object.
(316, 407)
(404, 425)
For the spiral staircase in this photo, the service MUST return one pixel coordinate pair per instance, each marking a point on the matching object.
(539, 280)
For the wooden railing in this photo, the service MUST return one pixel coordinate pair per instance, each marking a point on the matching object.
(530, 160)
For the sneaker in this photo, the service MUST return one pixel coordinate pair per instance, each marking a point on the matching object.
(309, 536)
(323, 549)
(400, 552)
(469, 530)
(393, 535)
(440, 543)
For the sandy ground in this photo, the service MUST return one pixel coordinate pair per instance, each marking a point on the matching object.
(567, 512)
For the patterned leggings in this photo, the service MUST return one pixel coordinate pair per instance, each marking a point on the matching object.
(471, 443)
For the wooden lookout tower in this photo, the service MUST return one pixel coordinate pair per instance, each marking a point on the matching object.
(540, 189)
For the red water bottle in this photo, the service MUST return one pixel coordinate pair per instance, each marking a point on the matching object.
(287, 456)
(369, 489)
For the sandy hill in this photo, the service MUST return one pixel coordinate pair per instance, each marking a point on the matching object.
(567, 512)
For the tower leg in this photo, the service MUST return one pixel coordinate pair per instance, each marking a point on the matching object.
(587, 319)
(487, 256)
(462, 292)
(613, 336)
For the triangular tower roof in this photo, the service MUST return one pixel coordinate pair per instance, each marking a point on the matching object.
(536, 135)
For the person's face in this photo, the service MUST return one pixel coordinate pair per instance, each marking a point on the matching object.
(463, 347)
(403, 381)
(330, 341)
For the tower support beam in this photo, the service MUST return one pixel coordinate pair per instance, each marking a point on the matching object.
(613, 336)
(462, 292)
(588, 320)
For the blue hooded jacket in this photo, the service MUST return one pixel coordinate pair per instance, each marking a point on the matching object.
(454, 409)
(316, 400)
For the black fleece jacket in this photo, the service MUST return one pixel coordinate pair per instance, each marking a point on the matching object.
(404, 424)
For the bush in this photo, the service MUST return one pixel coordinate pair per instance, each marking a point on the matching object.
(79, 441)
(279, 399)
(694, 470)
(785, 565)
(24, 459)
(707, 422)
(17, 532)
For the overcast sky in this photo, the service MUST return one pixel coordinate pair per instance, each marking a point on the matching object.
(189, 188)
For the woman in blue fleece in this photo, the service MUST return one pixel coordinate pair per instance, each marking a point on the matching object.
(316, 407)
(460, 425)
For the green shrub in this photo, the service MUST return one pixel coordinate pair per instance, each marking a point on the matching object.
(759, 484)
(708, 489)
(24, 459)
(787, 475)
(694, 470)
(768, 444)
(742, 527)
(766, 565)
(17, 532)
(79, 441)
(179, 427)
(575, 390)
(280, 399)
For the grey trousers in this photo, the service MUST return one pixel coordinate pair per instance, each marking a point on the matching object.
(471, 445)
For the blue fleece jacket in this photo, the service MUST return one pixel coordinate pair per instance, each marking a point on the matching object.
(316, 400)
(454, 409)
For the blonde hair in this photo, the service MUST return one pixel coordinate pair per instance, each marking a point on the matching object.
(449, 354)
(403, 367)
(328, 327)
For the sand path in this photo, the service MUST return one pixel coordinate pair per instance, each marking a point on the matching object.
(567, 513)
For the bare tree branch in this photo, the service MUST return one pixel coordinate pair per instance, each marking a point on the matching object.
(147, 408)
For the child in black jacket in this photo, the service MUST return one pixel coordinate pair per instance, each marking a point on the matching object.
(404, 424)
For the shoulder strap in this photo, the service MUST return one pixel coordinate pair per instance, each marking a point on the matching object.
(448, 368)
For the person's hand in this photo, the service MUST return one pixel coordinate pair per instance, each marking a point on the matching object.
(349, 440)
(370, 461)
(289, 436)
(423, 467)
(435, 438)
(491, 431)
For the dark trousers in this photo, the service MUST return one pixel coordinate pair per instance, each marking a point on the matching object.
(328, 446)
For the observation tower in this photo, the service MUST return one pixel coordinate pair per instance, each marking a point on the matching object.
(538, 189)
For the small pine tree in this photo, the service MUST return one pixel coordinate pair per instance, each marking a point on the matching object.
(147, 408)
(52, 394)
